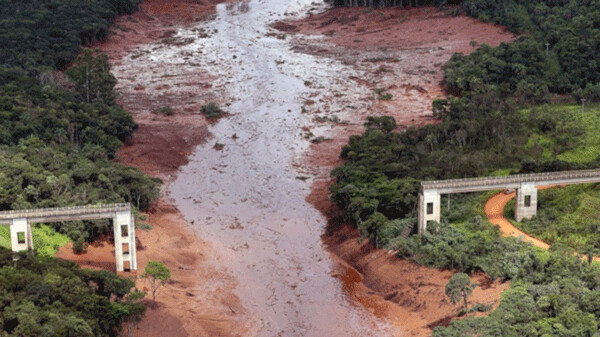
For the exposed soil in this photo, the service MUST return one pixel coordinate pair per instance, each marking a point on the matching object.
(398, 51)
(162, 143)
(401, 51)
(494, 210)
(186, 307)
(201, 301)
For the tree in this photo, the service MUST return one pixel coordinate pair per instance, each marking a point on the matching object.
(135, 309)
(458, 287)
(91, 74)
(591, 249)
(158, 275)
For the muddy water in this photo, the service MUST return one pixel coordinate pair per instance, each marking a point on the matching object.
(244, 195)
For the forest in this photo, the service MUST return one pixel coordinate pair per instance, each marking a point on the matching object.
(498, 119)
(45, 296)
(555, 53)
(59, 131)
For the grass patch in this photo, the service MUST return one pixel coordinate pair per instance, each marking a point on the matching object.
(145, 226)
(564, 133)
(566, 215)
(46, 241)
(165, 110)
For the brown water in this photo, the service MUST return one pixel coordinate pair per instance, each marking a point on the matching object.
(246, 198)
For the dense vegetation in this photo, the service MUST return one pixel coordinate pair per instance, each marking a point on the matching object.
(557, 52)
(59, 133)
(483, 130)
(49, 32)
(42, 296)
(379, 182)
(566, 215)
(58, 137)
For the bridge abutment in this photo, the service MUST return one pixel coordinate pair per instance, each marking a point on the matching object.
(526, 201)
(429, 208)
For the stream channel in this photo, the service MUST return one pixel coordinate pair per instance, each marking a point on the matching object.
(246, 198)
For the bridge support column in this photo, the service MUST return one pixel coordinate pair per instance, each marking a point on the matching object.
(429, 208)
(526, 202)
(20, 235)
(124, 231)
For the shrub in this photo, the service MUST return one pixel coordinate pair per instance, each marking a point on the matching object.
(165, 110)
(212, 110)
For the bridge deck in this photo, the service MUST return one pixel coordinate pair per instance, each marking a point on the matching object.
(64, 213)
(513, 181)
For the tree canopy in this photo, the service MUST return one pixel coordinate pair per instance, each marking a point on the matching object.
(58, 138)
(158, 275)
(42, 296)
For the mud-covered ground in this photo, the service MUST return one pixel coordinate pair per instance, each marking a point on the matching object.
(260, 268)
(401, 51)
(199, 301)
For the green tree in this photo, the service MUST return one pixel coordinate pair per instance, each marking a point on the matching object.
(92, 77)
(158, 275)
(135, 309)
(591, 249)
(459, 287)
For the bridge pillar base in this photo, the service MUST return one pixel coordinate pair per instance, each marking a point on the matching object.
(20, 235)
(124, 232)
(429, 208)
(526, 202)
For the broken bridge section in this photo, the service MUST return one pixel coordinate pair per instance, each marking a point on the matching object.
(123, 225)
(525, 185)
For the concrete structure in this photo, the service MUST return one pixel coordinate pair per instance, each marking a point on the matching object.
(525, 185)
(123, 224)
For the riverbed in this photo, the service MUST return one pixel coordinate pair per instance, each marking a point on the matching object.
(256, 264)
(244, 189)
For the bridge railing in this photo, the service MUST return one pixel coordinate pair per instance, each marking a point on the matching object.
(70, 210)
(517, 178)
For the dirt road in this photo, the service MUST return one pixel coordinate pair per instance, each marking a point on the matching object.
(494, 210)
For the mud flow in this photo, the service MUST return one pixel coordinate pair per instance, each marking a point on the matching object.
(244, 189)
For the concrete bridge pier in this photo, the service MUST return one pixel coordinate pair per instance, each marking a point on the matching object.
(20, 235)
(526, 202)
(429, 208)
(124, 231)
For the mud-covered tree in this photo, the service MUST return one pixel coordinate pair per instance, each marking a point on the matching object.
(459, 287)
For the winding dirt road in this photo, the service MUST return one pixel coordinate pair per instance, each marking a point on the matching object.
(494, 210)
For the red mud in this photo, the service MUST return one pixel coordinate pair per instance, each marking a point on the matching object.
(423, 39)
(159, 147)
(162, 143)
(402, 50)
(155, 20)
(389, 286)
